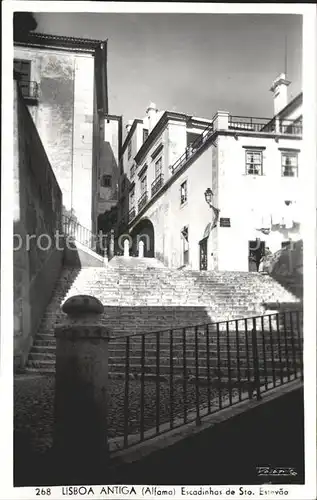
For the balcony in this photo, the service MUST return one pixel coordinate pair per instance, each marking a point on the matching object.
(29, 90)
(276, 126)
(193, 148)
(131, 214)
(132, 171)
(157, 184)
(142, 201)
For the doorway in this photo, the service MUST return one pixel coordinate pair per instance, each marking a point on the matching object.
(256, 252)
(203, 256)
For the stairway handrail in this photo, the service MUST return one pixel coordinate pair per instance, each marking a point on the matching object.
(70, 222)
(200, 325)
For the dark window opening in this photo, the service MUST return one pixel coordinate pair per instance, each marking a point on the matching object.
(185, 244)
(145, 134)
(183, 192)
(22, 69)
(106, 181)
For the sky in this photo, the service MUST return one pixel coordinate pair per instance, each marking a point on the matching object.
(190, 63)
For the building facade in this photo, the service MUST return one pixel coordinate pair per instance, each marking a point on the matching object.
(213, 194)
(64, 83)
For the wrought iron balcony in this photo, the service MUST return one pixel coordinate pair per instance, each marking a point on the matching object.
(29, 90)
(193, 148)
(132, 171)
(131, 214)
(274, 125)
(142, 201)
(157, 184)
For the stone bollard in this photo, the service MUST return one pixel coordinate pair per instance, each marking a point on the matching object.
(141, 249)
(126, 248)
(80, 443)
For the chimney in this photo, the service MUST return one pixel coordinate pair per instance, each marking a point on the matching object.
(151, 114)
(129, 125)
(279, 89)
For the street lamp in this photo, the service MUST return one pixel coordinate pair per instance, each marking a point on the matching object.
(208, 197)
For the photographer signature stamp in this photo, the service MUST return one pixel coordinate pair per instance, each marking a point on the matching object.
(269, 471)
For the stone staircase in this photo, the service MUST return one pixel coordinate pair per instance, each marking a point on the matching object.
(141, 296)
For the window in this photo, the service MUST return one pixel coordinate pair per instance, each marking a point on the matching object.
(254, 162)
(106, 181)
(289, 164)
(143, 183)
(145, 134)
(131, 198)
(185, 245)
(158, 168)
(129, 150)
(23, 70)
(183, 192)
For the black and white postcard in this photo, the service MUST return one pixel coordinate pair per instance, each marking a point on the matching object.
(158, 258)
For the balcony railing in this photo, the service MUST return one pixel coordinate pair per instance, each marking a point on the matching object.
(291, 127)
(132, 171)
(29, 90)
(193, 148)
(157, 184)
(142, 201)
(131, 214)
(277, 126)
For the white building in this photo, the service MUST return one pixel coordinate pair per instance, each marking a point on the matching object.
(64, 84)
(246, 168)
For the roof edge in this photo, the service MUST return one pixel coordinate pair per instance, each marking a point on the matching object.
(58, 41)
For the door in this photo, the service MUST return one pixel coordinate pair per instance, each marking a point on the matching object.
(256, 252)
(203, 256)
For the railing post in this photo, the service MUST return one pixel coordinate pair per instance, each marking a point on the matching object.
(80, 446)
(141, 249)
(256, 361)
(126, 248)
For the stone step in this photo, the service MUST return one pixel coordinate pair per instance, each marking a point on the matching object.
(185, 299)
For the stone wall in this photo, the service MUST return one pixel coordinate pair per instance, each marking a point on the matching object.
(37, 216)
(63, 115)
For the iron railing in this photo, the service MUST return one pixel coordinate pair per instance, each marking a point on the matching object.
(131, 214)
(142, 201)
(254, 124)
(193, 148)
(132, 170)
(157, 184)
(181, 375)
(291, 127)
(29, 90)
(73, 229)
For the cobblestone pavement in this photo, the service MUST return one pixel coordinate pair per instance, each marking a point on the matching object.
(34, 407)
(33, 425)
